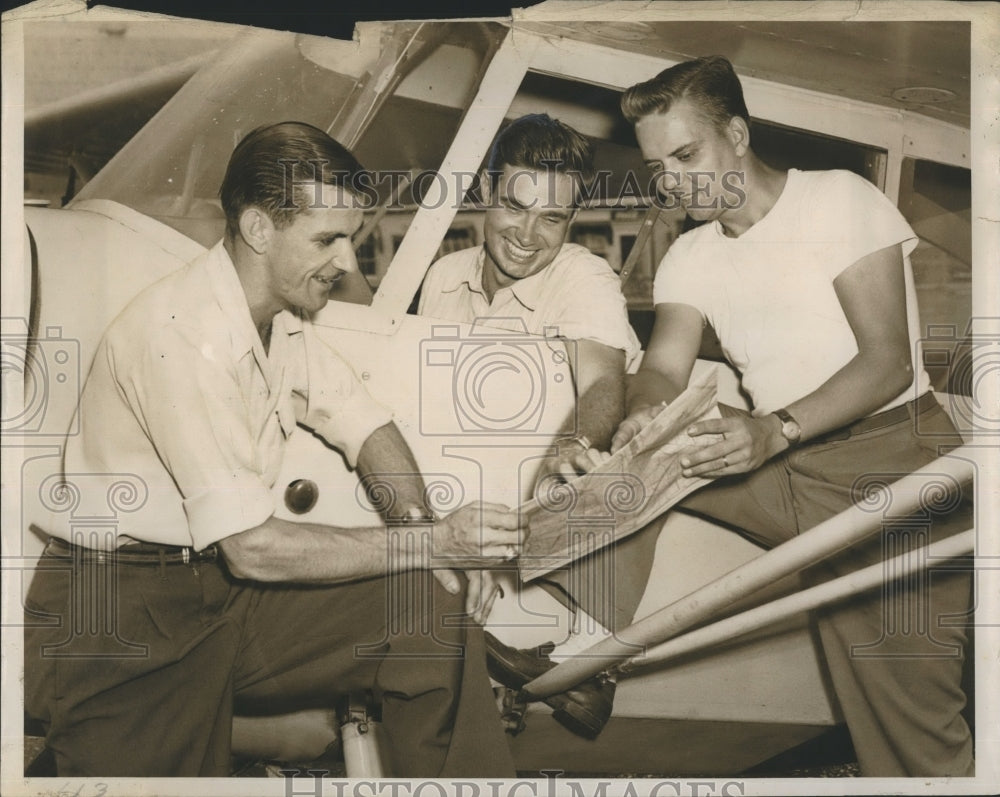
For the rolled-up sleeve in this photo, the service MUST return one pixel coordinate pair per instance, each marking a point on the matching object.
(338, 407)
(189, 403)
(597, 310)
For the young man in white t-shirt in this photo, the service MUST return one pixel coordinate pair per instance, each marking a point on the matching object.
(805, 277)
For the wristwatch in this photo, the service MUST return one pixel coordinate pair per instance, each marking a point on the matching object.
(790, 428)
(581, 440)
(413, 516)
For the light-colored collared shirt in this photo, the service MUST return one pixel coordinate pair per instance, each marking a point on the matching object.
(577, 296)
(183, 402)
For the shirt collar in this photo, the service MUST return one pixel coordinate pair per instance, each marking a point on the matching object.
(232, 301)
(526, 290)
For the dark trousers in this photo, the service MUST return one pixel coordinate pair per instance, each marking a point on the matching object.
(138, 669)
(895, 656)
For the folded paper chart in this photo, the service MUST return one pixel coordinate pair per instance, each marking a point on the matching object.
(568, 520)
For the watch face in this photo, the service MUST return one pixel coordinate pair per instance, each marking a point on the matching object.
(791, 431)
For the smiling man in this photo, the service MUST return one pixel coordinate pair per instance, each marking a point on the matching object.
(525, 276)
(194, 391)
(526, 273)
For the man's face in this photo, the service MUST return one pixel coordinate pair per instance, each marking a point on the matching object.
(527, 222)
(696, 164)
(309, 256)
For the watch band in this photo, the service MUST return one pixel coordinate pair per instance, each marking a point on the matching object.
(581, 440)
(790, 428)
(785, 416)
(414, 516)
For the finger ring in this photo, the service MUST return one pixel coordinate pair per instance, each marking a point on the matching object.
(510, 554)
(725, 463)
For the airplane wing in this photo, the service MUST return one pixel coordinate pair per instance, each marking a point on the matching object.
(86, 130)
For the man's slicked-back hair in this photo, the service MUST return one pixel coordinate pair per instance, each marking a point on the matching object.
(274, 168)
(540, 143)
(710, 83)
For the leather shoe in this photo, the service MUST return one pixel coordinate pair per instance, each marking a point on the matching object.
(585, 709)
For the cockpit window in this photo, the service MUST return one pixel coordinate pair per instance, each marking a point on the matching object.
(397, 104)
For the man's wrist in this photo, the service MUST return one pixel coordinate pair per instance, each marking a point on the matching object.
(411, 516)
(788, 429)
(776, 442)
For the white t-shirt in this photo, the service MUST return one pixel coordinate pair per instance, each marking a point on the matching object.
(577, 296)
(769, 293)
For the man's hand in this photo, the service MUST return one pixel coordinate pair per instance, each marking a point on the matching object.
(633, 424)
(449, 579)
(478, 535)
(574, 459)
(745, 445)
(483, 591)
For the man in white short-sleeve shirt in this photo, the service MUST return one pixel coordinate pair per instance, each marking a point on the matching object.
(526, 277)
(216, 605)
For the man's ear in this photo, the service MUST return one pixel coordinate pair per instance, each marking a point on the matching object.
(739, 134)
(256, 228)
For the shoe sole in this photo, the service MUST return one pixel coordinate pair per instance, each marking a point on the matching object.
(568, 713)
(574, 717)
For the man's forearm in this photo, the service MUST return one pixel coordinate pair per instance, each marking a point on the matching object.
(600, 410)
(649, 387)
(851, 393)
(286, 551)
(599, 377)
(475, 536)
(386, 458)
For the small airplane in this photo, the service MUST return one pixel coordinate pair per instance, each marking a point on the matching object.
(889, 100)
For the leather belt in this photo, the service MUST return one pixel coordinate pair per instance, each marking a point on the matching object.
(881, 420)
(143, 554)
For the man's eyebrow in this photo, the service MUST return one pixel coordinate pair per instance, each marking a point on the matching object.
(330, 235)
(512, 200)
(549, 211)
(683, 147)
(654, 163)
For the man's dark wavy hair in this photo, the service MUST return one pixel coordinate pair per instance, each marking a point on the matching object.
(269, 166)
(540, 143)
(710, 83)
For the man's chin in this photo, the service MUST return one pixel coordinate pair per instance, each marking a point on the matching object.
(516, 271)
(311, 306)
(702, 214)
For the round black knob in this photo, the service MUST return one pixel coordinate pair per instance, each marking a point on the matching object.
(301, 496)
